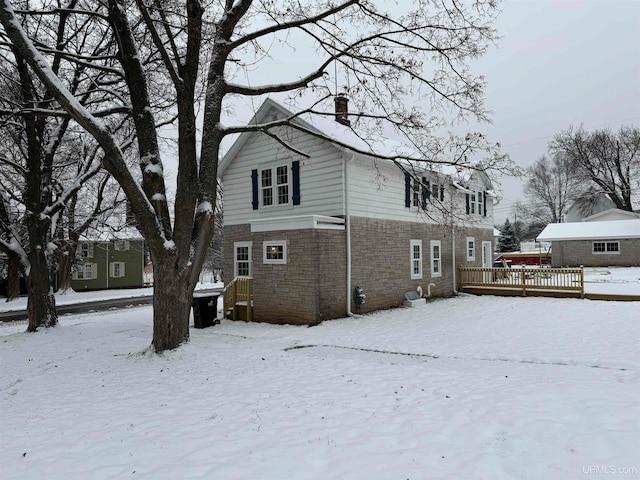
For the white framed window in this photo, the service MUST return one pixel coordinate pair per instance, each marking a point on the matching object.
(85, 250)
(471, 249)
(242, 259)
(121, 245)
(437, 191)
(274, 251)
(472, 204)
(416, 192)
(86, 271)
(416, 259)
(274, 186)
(436, 258)
(116, 269)
(480, 198)
(612, 247)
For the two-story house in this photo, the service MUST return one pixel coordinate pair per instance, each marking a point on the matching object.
(310, 229)
(105, 261)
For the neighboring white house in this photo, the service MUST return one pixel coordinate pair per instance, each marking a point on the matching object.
(594, 243)
(602, 208)
(578, 211)
(309, 230)
(611, 214)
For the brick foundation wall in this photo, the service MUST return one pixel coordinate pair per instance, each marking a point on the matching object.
(311, 287)
(306, 290)
(580, 252)
(381, 262)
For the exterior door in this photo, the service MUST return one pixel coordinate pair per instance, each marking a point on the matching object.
(487, 260)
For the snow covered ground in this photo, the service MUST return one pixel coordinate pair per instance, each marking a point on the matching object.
(71, 297)
(612, 280)
(463, 388)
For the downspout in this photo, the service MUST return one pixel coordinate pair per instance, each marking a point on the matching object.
(454, 272)
(453, 259)
(347, 232)
(106, 270)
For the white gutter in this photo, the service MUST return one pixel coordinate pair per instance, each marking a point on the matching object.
(347, 228)
(460, 187)
(107, 268)
(453, 258)
(453, 249)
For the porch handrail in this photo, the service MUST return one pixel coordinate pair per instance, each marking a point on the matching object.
(524, 279)
(239, 292)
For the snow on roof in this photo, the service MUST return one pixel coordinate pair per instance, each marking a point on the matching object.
(126, 233)
(611, 212)
(347, 137)
(604, 230)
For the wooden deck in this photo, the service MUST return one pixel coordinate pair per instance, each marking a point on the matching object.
(547, 282)
(529, 282)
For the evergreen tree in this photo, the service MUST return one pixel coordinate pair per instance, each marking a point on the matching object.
(508, 241)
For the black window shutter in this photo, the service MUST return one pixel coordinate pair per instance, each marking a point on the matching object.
(407, 190)
(441, 192)
(484, 199)
(295, 173)
(254, 189)
(426, 193)
(468, 208)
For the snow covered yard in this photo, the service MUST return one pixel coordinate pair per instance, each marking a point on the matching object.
(465, 388)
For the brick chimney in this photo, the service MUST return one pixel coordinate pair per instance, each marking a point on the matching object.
(342, 109)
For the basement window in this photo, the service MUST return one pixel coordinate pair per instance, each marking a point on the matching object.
(274, 252)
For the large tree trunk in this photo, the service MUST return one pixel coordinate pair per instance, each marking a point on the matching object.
(13, 279)
(65, 265)
(41, 304)
(64, 272)
(172, 297)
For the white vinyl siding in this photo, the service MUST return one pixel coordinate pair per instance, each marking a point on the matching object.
(377, 190)
(376, 187)
(321, 178)
(416, 259)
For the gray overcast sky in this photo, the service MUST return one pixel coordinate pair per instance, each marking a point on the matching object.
(560, 63)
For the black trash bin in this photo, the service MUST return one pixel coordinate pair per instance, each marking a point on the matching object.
(205, 309)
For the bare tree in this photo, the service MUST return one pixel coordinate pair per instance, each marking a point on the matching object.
(393, 63)
(35, 184)
(215, 253)
(608, 161)
(551, 186)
